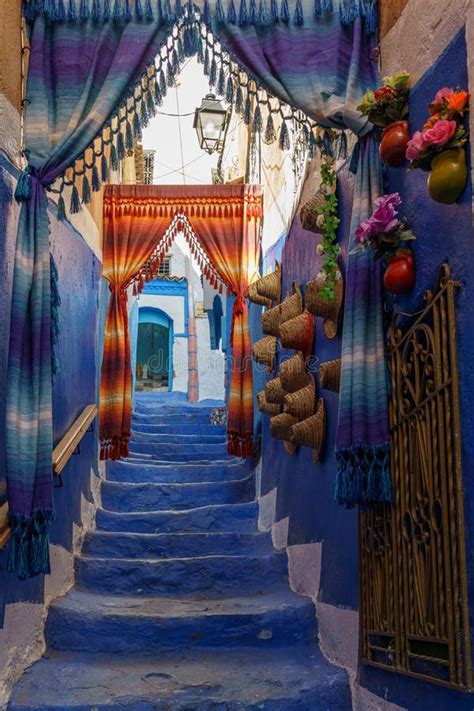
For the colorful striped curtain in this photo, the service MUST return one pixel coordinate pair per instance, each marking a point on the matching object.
(97, 71)
(222, 226)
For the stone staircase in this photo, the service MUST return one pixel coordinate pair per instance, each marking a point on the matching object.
(179, 603)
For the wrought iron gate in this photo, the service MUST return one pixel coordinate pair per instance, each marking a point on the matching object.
(414, 610)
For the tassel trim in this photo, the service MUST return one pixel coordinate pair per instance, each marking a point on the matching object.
(29, 543)
(114, 447)
(363, 475)
(240, 444)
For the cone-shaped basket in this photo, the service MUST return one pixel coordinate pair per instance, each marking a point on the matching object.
(264, 352)
(311, 432)
(308, 214)
(270, 285)
(330, 375)
(280, 428)
(328, 310)
(274, 393)
(271, 321)
(292, 304)
(293, 373)
(255, 297)
(267, 407)
(298, 333)
(301, 404)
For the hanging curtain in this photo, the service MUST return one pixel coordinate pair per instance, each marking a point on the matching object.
(221, 224)
(362, 441)
(97, 71)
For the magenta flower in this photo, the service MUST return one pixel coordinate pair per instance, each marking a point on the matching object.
(391, 199)
(416, 146)
(384, 219)
(441, 133)
(364, 232)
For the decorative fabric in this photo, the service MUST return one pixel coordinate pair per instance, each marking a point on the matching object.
(221, 223)
(362, 440)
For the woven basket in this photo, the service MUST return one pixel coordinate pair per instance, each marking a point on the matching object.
(264, 351)
(280, 426)
(330, 375)
(270, 285)
(267, 408)
(328, 310)
(274, 391)
(293, 373)
(271, 321)
(292, 304)
(308, 214)
(301, 403)
(311, 432)
(255, 297)
(298, 333)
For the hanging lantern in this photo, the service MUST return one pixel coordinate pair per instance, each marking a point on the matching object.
(210, 122)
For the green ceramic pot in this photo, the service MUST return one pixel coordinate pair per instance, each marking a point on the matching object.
(448, 175)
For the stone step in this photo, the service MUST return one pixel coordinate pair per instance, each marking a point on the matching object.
(177, 428)
(190, 415)
(178, 439)
(212, 576)
(226, 517)
(178, 458)
(111, 544)
(177, 449)
(281, 679)
(91, 623)
(119, 496)
(148, 471)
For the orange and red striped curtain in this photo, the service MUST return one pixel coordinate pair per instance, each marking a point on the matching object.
(222, 226)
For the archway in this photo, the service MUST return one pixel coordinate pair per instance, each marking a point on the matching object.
(154, 357)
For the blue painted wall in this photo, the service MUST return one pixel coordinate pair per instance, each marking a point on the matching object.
(74, 386)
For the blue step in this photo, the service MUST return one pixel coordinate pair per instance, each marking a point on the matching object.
(211, 576)
(149, 471)
(137, 452)
(124, 497)
(110, 544)
(177, 428)
(176, 449)
(226, 517)
(286, 679)
(178, 439)
(84, 621)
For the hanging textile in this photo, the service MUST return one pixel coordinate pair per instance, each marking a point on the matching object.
(221, 224)
(362, 440)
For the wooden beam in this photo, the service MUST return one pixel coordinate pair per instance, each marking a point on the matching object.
(68, 445)
(4, 527)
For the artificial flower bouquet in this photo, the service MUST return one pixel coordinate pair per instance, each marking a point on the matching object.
(388, 103)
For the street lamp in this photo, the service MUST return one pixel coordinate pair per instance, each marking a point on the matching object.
(210, 121)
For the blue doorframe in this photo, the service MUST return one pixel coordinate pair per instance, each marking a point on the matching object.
(149, 314)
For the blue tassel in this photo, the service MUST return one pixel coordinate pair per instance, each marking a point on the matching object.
(158, 97)
(243, 14)
(342, 149)
(231, 13)
(369, 8)
(29, 12)
(127, 12)
(129, 142)
(169, 75)
(248, 110)
(106, 11)
(180, 49)
(95, 179)
(318, 10)
(114, 161)
(239, 100)
(220, 12)
(207, 13)
(326, 7)
(274, 9)
(354, 164)
(96, 13)
(104, 168)
(148, 11)
(23, 187)
(84, 10)
(49, 10)
(270, 133)
(178, 9)
(144, 114)
(200, 51)
(118, 11)
(75, 206)
(163, 85)
(55, 306)
(150, 106)
(137, 129)
(60, 11)
(284, 12)
(284, 141)
(175, 63)
(120, 146)
(348, 12)
(229, 90)
(139, 10)
(159, 11)
(253, 13)
(167, 12)
(221, 81)
(213, 73)
(298, 17)
(86, 190)
(61, 211)
(263, 15)
(257, 119)
(29, 543)
(206, 62)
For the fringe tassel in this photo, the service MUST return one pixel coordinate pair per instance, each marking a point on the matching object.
(220, 12)
(231, 13)
(326, 6)
(207, 13)
(284, 12)
(229, 90)
(148, 11)
(257, 119)
(86, 190)
(274, 10)
(23, 187)
(72, 11)
(213, 73)
(270, 133)
(75, 206)
(253, 12)
(248, 110)
(221, 82)
(61, 209)
(60, 11)
(114, 161)
(120, 146)
(106, 14)
(263, 14)
(29, 544)
(95, 179)
(114, 447)
(104, 168)
(84, 10)
(139, 10)
(239, 100)
(55, 306)
(298, 17)
(240, 445)
(363, 476)
(284, 141)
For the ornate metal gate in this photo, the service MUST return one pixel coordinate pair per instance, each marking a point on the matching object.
(414, 610)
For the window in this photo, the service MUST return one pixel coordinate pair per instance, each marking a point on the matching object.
(165, 267)
(148, 166)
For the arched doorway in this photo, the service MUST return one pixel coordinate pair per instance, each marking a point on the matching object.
(154, 359)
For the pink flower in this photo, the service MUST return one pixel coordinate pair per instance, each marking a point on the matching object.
(441, 98)
(364, 232)
(441, 133)
(416, 146)
(391, 199)
(384, 219)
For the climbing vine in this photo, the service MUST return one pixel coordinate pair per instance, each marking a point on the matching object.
(328, 223)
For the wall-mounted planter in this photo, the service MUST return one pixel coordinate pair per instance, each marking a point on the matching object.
(399, 276)
(448, 176)
(394, 143)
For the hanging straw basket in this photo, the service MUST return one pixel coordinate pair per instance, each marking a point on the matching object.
(270, 285)
(271, 321)
(298, 333)
(255, 297)
(330, 375)
(293, 373)
(309, 215)
(328, 310)
(301, 403)
(280, 426)
(311, 432)
(292, 304)
(274, 392)
(267, 408)
(264, 352)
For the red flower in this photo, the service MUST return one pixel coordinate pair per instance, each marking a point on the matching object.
(384, 94)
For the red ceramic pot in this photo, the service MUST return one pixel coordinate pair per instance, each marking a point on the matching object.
(394, 142)
(399, 276)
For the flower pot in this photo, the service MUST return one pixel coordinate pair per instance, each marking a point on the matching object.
(399, 276)
(394, 143)
(448, 175)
